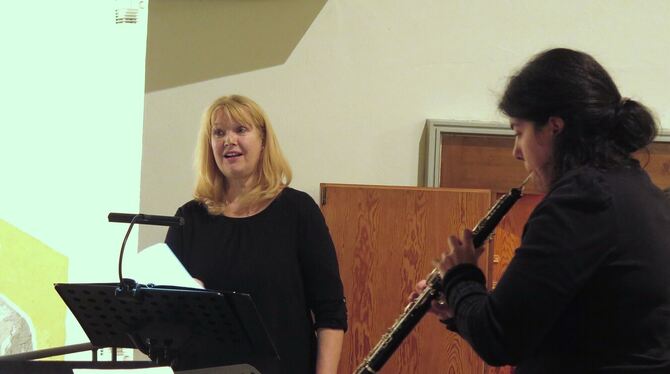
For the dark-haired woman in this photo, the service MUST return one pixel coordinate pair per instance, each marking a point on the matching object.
(588, 290)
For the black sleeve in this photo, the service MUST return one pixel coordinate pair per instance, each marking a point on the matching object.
(565, 240)
(318, 262)
(465, 280)
(175, 238)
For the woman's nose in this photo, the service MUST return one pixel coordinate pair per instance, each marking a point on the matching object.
(228, 139)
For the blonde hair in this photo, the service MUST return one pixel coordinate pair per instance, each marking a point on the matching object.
(273, 171)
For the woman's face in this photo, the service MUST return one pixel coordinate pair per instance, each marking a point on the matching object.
(237, 147)
(535, 148)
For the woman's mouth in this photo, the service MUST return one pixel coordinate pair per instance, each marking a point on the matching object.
(229, 155)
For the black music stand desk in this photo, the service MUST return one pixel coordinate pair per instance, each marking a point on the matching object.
(185, 328)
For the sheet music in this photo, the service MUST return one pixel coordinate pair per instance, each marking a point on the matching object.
(158, 265)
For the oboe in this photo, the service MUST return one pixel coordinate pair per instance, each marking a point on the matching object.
(416, 309)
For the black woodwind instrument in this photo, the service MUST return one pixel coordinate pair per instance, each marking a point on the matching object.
(416, 309)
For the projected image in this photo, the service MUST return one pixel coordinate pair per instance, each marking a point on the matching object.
(16, 329)
(32, 316)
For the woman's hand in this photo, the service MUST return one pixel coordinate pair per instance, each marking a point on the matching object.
(438, 307)
(462, 251)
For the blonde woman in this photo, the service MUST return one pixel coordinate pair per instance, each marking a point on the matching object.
(247, 231)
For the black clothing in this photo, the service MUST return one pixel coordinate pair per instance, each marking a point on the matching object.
(588, 290)
(283, 257)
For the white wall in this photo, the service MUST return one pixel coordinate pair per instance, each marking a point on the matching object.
(70, 129)
(350, 103)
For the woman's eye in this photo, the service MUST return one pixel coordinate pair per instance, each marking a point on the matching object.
(242, 129)
(217, 132)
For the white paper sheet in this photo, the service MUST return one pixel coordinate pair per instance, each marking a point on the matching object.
(157, 370)
(158, 265)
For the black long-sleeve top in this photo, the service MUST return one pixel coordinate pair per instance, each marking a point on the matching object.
(283, 257)
(587, 291)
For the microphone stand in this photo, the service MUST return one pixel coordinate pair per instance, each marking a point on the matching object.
(128, 287)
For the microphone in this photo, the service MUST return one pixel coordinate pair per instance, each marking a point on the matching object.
(146, 219)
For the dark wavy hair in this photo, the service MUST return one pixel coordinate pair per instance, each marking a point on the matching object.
(602, 129)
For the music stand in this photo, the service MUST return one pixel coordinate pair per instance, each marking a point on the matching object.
(185, 328)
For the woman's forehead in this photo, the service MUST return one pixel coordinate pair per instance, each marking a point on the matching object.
(222, 116)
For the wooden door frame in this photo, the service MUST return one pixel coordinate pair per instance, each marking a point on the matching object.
(435, 128)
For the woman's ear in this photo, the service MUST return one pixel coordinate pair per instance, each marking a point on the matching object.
(556, 125)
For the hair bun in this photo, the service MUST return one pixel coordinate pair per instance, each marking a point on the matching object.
(620, 106)
(634, 126)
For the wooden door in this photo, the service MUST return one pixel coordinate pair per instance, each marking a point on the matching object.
(386, 239)
(485, 161)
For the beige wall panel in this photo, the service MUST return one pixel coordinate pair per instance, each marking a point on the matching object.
(190, 41)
